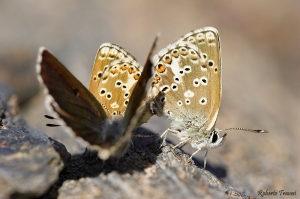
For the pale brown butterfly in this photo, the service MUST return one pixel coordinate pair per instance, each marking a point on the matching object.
(187, 89)
(92, 120)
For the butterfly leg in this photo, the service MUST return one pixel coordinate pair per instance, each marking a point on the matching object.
(163, 137)
(181, 143)
(205, 159)
(190, 158)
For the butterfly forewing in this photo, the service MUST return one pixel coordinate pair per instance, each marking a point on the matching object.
(78, 108)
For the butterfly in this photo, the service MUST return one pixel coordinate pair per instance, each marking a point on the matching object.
(105, 114)
(187, 89)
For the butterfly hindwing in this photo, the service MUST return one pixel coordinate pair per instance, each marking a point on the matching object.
(116, 86)
(113, 78)
(189, 87)
(208, 42)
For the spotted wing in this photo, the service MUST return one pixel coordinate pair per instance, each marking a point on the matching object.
(136, 109)
(116, 86)
(187, 81)
(113, 78)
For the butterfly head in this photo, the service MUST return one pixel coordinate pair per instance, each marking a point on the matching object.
(216, 138)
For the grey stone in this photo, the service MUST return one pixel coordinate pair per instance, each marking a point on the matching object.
(29, 163)
(31, 166)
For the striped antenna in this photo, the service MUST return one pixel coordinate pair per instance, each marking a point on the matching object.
(245, 129)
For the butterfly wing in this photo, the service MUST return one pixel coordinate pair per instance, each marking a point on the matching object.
(113, 78)
(208, 42)
(116, 86)
(187, 81)
(73, 103)
(136, 111)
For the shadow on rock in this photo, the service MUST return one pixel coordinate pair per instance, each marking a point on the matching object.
(141, 154)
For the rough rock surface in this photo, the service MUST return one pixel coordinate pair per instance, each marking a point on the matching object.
(29, 163)
(31, 166)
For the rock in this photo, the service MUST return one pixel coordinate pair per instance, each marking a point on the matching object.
(29, 163)
(146, 170)
(150, 173)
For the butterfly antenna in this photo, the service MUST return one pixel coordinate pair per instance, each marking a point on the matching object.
(53, 125)
(51, 118)
(245, 129)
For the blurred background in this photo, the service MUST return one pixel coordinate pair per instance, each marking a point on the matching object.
(260, 58)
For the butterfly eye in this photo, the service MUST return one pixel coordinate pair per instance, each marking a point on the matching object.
(214, 137)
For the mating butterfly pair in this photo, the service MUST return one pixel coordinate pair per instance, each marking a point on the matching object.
(186, 89)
